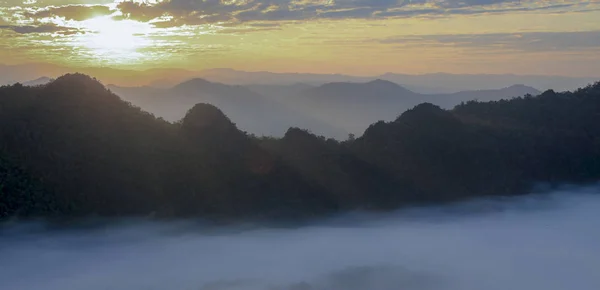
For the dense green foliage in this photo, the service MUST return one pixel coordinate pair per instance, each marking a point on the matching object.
(72, 148)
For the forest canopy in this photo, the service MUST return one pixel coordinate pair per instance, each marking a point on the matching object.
(72, 148)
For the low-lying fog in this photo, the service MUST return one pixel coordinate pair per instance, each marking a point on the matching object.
(543, 242)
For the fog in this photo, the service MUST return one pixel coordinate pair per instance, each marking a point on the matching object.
(536, 242)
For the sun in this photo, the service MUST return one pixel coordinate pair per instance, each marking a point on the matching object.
(114, 41)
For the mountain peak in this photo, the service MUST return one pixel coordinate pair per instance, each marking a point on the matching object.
(76, 77)
(382, 82)
(424, 112)
(519, 86)
(193, 83)
(77, 80)
(203, 116)
(377, 85)
(39, 81)
(521, 89)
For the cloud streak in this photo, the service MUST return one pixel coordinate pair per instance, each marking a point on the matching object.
(524, 42)
(46, 28)
(72, 12)
(185, 12)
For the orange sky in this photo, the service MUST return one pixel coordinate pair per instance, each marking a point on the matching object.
(361, 37)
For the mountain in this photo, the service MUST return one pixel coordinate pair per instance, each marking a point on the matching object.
(232, 76)
(462, 82)
(354, 106)
(10, 74)
(38, 81)
(333, 110)
(433, 83)
(253, 112)
(372, 91)
(72, 149)
(448, 101)
(279, 92)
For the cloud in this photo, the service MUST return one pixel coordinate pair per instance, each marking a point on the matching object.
(140, 11)
(46, 28)
(186, 12)
(497, 244)
(45, 3)
(349, 13)
(175, 13)
(72, 12)
(524, 42)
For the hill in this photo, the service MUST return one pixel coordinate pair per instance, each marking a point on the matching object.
(72, 148)
(333, 109)
(253, 112)
(354, 106)
(37, 82)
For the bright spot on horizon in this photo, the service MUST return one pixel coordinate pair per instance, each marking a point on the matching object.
(114, 41)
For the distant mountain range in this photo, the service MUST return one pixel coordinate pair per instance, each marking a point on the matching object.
(38, 81)
(332, 110)
(251, 111)
(434, 83)
(72, 149)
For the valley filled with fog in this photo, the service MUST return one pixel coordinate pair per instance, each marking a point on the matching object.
(332, 110)
(534, 242)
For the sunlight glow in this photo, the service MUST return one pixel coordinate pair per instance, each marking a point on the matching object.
(115, 41)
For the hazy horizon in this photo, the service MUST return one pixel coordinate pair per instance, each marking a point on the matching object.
(163, 69)
(427, 83)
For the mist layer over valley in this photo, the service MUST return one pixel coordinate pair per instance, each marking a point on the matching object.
(333, 110)
(535, 242)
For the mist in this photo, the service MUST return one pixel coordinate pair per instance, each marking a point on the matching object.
(535, 242)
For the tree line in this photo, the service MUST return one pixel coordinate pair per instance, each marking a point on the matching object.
(72, 148)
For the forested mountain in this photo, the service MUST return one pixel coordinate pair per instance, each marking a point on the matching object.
(355, 106)
(431, 83)
(251, 111)
(72, 148)
(332, 110)
(38, 81)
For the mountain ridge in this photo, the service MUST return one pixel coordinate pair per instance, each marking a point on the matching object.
(74, 149)
(332, 109)
(442, 83)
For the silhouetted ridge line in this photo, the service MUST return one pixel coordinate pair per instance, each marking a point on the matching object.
(72, 148)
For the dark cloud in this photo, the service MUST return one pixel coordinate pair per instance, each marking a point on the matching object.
(277, 14)
(47, 28)
(410, 12)
(72, 12)
(440, 11)
(44, 3)
(474, 3)
(350, 13)
(140, 11)
(253, 28)
(190, 12)
(525, 42)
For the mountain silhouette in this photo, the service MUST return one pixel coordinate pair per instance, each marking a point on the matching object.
(333, 109)
(354, 106)
(164, 78)
(253, 112)
(38, 81)
(72, 148)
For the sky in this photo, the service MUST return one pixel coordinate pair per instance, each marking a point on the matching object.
(359, 37)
